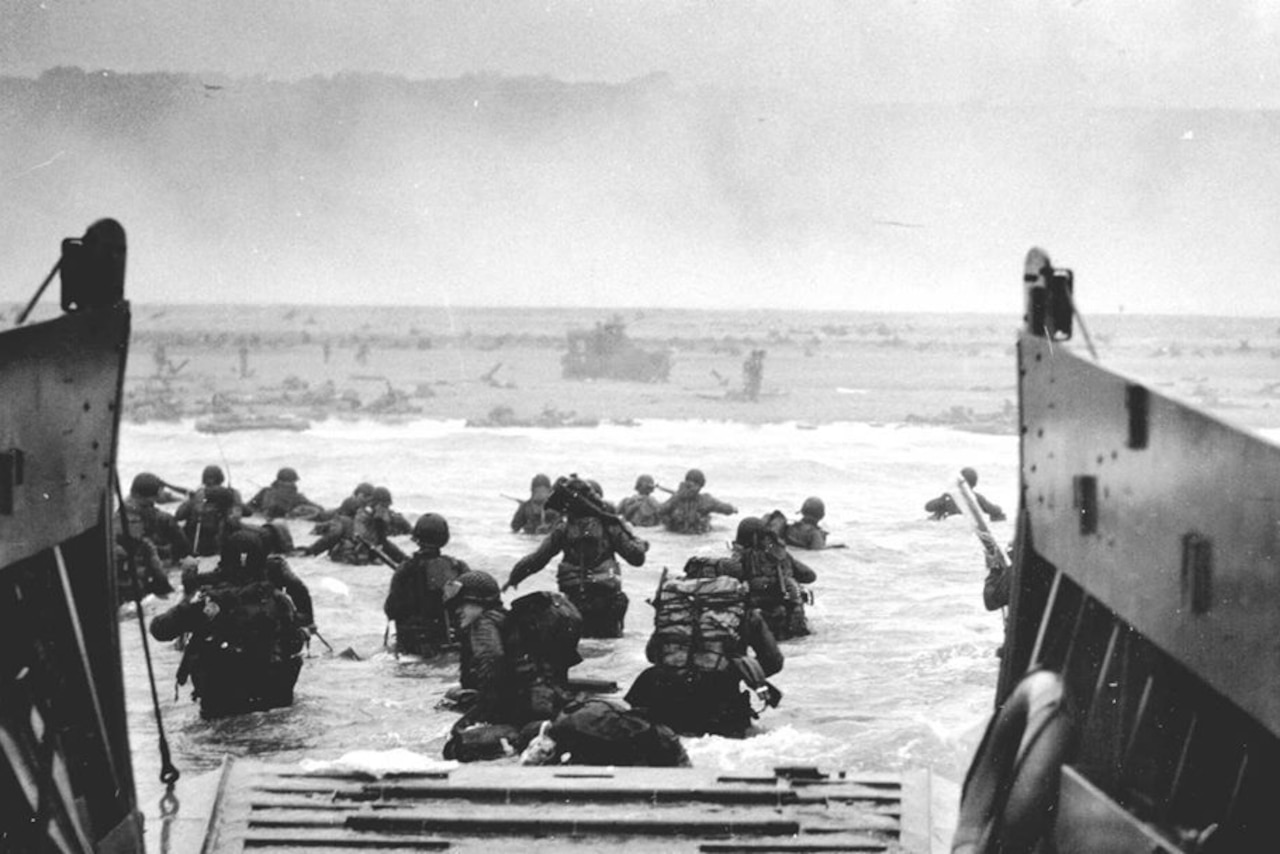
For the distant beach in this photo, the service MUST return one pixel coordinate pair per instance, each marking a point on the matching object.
(238, 363)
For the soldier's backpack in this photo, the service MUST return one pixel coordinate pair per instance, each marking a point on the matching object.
(599, 731)
(698, 622)
(545, 625)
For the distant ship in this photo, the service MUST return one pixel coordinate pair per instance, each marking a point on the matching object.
(1139, 691)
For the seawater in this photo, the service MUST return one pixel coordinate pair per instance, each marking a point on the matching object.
(899, 671)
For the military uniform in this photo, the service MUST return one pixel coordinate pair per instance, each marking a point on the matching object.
(773, 577)
(642, 509)
(705, 633)
(282, 498)
(532, 515)
(416, 601)
(246, 641)
(510, 684)
(589, 574)
(689, 510)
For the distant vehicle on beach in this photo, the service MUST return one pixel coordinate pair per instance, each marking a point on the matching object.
(607, 353)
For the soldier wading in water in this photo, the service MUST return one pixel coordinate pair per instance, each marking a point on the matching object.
(590, 538)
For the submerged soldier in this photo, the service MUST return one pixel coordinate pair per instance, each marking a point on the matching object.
(350, 505)
(511, 671)
(363, 540)
(705, 632)
(282, 498)
(203, 520)
(416, 597)
(533, 515)
(590, 539)
(944, 505)
(808, 533)
(277, 542)
(246, 641)
(689, 510)
(641, 509)
(773, 577)
(148, 522)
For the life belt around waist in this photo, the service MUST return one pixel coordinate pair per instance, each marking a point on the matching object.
(606, 574)
(1011, 791)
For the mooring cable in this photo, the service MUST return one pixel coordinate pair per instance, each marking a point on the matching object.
(169, 774)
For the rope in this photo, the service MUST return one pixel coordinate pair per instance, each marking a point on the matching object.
(169, 774)
(26, 312)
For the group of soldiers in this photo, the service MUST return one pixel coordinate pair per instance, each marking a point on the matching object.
(246, 624)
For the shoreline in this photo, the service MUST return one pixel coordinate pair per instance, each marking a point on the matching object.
(934, 370)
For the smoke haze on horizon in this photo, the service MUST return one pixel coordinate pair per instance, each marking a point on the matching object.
(678, 154)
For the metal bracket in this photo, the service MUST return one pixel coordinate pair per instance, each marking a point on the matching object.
(12, 473)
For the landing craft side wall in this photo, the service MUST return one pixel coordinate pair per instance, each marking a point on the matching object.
(60, 387)
(1180, 536)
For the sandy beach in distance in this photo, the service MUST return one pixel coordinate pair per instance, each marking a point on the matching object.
(405, 363)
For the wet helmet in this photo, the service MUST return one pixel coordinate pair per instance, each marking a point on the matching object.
(644, 484)
(380, 495)
(280, 537)
(220, 497)
(287, 474)
(431, 529)
(243, 553)
(364, 488)
(813, 507)
(212, 476)
(146, 485)
(970, 476)
(474, 586)
(752, 531)
(696, 476)
(540, 480)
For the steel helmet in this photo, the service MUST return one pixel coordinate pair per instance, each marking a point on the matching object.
(380, 495)
(212, 476)
(220, 497)
(644, 484)
(146, 485)
(540, 480)
(287, 474)
(813, 507)
(279, 532)
(752, 531)
(431, 529)
(474, 586)
(696, 476)
(970, 476)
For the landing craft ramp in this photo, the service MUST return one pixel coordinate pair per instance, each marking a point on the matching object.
(490, 807)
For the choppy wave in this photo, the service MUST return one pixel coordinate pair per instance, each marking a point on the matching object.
(900, 669)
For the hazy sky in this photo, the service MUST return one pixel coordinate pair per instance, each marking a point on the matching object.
(1167, 53)
(803, 204)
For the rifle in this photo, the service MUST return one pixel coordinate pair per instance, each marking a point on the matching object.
(379, 553)
(969, 503)
(327, 645)
(511, 498)
(657, 594)
(574, 491)
(181, 490)
(665, 489)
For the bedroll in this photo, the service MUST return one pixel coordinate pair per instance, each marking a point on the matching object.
(698, 622)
